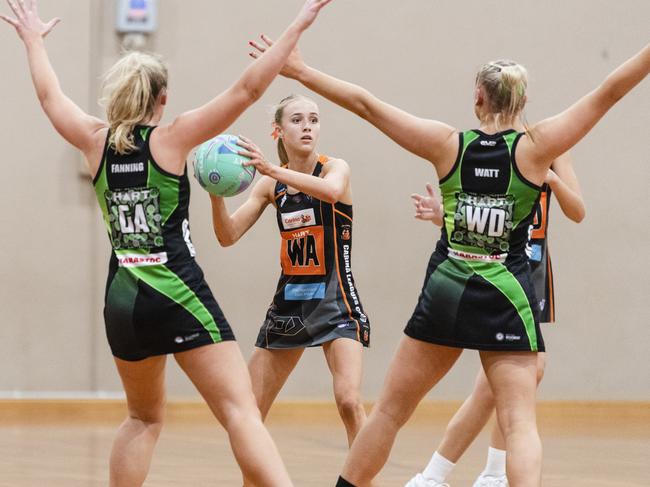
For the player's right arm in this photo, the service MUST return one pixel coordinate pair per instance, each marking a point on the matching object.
(230, 228)
(74, 125)
(425, 138)
(196, 126)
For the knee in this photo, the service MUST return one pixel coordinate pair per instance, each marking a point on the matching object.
(349, 404)
(151, 417)
(240, 412)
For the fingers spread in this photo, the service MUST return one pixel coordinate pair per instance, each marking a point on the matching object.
(267, 40)
(257, 46)
(9, 20)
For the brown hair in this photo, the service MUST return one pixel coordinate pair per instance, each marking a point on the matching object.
(505, 83)
(277, 120)
(131, 88)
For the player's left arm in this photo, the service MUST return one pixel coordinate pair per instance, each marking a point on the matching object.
(333, 186)
(74, 125)
(563, 181)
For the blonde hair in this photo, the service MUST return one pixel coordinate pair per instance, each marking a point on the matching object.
(130, 90)
(277, 120)
(505, 83)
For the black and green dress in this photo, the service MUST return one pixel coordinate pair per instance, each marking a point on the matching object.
(157, 301)
(478, 291)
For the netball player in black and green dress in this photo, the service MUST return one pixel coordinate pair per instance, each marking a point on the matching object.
(316, 302)
(157, 302)
(477, 291)
(472, 416)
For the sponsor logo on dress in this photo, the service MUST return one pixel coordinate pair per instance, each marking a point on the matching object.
(346, 232)
(188, 338)
(488, 143)
(141, 260)
(509, 337)
(297, 219)
(303, 292)
(471, 257)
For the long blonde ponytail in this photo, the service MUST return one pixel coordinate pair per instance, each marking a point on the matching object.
(131, 88)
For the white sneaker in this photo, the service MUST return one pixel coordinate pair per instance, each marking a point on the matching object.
(489, 481)
(421, 481)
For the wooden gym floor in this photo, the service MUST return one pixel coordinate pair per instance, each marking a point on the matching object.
(67, 443)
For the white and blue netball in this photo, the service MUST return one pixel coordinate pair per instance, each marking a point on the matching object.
(219, 168)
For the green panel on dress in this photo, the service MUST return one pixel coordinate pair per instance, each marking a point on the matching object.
(501, 278)
(168, 186)
(163, 280)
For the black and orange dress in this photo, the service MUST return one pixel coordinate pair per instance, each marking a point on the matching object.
(316, 300)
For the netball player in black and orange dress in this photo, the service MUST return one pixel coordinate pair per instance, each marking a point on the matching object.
(157, 302)
(477, 291)
(316, 302)
(479, 406)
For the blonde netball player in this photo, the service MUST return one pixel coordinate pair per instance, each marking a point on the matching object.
(477, 291)
(157, 302)
(472, 416)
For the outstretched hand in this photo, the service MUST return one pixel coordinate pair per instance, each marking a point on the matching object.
(292, 67)
(257, 159)
(27, 22)
(427, 208)
(309, 12)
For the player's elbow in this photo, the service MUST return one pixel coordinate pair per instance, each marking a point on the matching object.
(225, 241)
(578, 214)
(333, 195)
(251, 92)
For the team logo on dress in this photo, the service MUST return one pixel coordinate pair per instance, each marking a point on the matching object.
(286, 325)
(297, 219)
(483, 221)
(346, 232)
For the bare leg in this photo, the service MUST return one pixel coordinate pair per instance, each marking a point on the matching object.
(468, 421)
(144, 384)
(269, 370)
(416, 367)
(513, 378)
(345, 360)
(220, 375)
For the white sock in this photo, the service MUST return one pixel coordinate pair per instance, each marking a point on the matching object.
(496, 463)
(438, 469)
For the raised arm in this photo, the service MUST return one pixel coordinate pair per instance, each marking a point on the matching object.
(556, 135)
(428, 139)
(230, 228)
(196, 126)
(76, 126)
(333, 186)
(563, 181)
